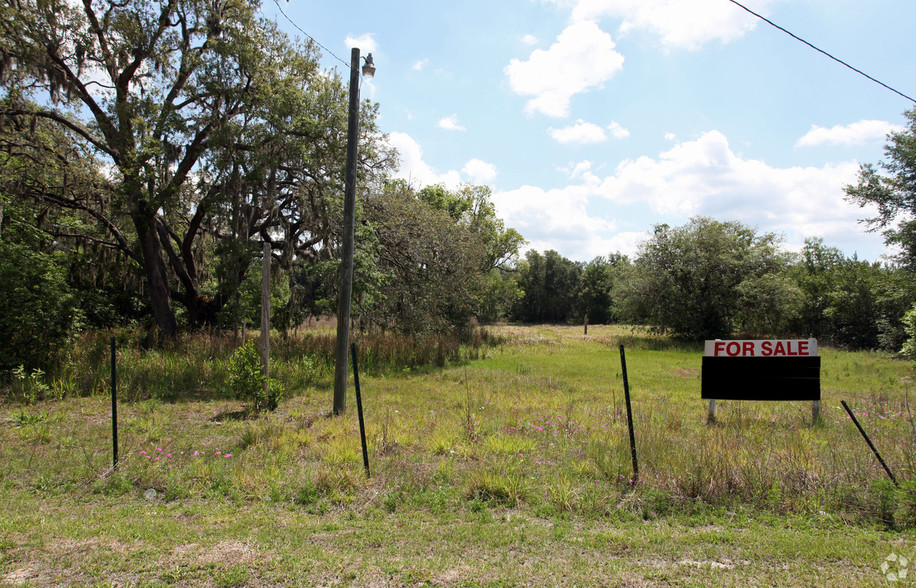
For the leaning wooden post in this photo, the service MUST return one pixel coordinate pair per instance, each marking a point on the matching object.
(265, 318)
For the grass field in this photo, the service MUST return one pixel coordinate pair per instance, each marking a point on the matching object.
(511, 469)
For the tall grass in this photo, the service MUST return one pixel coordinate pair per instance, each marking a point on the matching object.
(537, 423)
(194, 366)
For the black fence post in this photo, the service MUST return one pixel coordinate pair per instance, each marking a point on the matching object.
(626, 394)
(114, 405)
(359, 409)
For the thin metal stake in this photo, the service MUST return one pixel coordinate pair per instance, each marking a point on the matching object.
(626, 393)
(359, 409)
(870, 444)
(114, 406)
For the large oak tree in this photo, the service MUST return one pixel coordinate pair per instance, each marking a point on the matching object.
(215, 126)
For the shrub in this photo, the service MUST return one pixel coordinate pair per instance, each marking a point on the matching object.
(909, 325)
(38, 313)
(247, 379)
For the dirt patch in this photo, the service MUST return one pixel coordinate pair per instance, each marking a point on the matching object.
(28, 575)
(688, 373)
(233, 551)
(453, 575)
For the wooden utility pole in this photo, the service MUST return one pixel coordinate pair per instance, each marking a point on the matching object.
(346, 266)
(265, 317)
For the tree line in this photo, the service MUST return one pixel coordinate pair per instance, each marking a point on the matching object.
(710, 279)
(149, 149)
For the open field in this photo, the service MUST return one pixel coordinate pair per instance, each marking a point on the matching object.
(513, 469)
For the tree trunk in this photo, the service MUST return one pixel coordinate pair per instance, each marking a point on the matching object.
(153, 262)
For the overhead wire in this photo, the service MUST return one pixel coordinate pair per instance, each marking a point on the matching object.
(819, 50)
(313, 39)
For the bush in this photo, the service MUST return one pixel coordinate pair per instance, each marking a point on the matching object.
(38, 312)
(247, 379)
(909, 325)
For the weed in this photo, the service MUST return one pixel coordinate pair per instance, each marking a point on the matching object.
(496, 488)
(31, 387)
(29, 418)
(231, 577)
(883, 502)
(248, 381)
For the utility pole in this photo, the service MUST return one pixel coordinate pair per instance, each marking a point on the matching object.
(265, 317)
(346, 266)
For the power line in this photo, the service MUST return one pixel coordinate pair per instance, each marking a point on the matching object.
(313, 39)
(840, 61)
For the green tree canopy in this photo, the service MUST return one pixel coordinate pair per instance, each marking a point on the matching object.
(549, 283)
(429, 264)
(706, 279)
(893, 192)
(216, 127)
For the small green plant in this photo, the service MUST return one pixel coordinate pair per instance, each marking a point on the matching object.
(884, 502)
(231, 577)
(24, 419)
(247, 379)
(31, 386)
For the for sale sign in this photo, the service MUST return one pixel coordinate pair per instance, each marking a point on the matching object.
(762, 348)
(768, 369)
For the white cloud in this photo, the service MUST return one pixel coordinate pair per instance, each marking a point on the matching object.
(567, 68)
(365, 43)
(412, 167)
(450, 123)
(530, 40)
(419, 64)
(855, 134)
(556, 219)
(670, 137)
(478, 171)
(682, 24)
(582, 132)
(585, 132)
(617, 131)
(706, 177)
(577, 170)
(699, 177)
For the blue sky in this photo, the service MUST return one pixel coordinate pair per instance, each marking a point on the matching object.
(594, 120)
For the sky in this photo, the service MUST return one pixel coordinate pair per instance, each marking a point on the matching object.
(595, 120)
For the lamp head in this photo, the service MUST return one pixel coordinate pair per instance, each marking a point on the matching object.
(368, 67)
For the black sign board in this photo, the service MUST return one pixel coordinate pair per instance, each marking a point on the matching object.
(761, 378)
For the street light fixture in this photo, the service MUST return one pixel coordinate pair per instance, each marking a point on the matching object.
(346, 267)
(368, 67)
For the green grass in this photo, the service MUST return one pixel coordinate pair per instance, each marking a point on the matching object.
(514, 469)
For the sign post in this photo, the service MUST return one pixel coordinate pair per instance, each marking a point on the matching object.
(768, 369)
